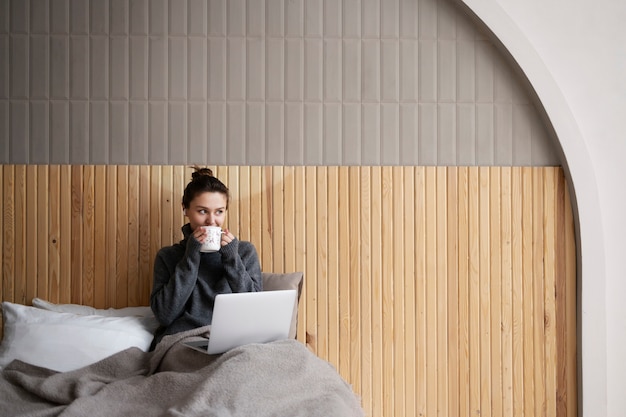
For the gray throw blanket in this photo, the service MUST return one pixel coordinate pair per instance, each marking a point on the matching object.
(274, 379)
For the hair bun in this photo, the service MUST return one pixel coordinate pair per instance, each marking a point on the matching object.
(199, 172)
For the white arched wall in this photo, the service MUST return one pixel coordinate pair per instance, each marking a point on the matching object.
(573, 55)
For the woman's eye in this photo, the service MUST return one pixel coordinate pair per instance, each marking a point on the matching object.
(203, 212)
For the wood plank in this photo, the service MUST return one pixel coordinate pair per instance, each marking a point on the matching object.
(8, 233)
(112, 225)
(122, 238)
(475, 385)
(321, 230)
(43, 259)
(387, 280)
(156, 214)
(452, 298)
(506, 291)
(256, 214)
(135, 283)
(550, 291)
(527, 290)
(26, 244)
(408, 254)
(464, 290)
(431, 291)
(420, 290)
(300, 247)
(333, 320)
(379, 383)
(77, 234)
(89, 202)
(343, 272)
(266, 198)
(398, 287)
(440, 220)
(244, 226)
(134, 234)
(538, 285)
(356, 279)
(2, 237)
(289, 206)
(365, 260)
(100, 237)
(484, 278)
(65, 235)
(570, 304)
(278, 221)
(495, 273)
(233, 202)
(54, 233)
(311, 257)
(518, 291)
(167, 206)
(4, 242)
(178, 188)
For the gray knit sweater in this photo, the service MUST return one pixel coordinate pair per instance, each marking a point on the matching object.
(186, 281)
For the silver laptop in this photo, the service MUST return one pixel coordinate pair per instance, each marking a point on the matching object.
(248, 317)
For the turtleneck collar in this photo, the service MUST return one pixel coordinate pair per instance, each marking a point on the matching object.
(186, 229)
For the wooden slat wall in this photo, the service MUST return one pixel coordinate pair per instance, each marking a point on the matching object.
(433, 290)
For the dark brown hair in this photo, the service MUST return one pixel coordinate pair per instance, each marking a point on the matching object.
(202, 181)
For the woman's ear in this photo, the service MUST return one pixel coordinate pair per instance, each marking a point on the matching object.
(185, 212)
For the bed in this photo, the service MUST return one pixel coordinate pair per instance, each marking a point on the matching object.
(75, 360)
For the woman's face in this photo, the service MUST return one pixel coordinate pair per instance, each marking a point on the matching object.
(207, 209)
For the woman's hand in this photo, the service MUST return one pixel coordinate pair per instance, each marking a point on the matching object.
(227, 237)
(200, 234)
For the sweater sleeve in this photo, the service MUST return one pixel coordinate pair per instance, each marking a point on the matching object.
(242, 267)
(174, 281)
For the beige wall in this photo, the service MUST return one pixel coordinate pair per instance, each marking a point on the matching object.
(389, 82)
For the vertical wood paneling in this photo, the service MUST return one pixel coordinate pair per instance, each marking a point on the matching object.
(433, 290)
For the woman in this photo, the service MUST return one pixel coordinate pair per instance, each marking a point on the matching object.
(186, 280)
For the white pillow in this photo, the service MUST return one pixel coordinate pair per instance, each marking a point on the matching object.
(65, 341)
(143, 311)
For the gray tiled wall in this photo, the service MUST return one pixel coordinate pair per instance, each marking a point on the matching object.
(259, 82)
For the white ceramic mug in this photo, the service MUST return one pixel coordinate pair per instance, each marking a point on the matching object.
(212, 243)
